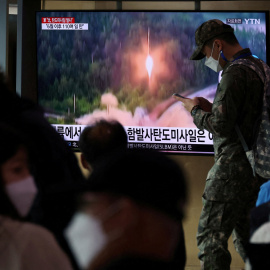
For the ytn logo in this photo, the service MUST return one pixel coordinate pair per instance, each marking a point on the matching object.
(253, 21)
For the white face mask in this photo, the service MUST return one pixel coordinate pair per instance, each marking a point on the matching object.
(86, 238)
(22, 194)
(212, 63)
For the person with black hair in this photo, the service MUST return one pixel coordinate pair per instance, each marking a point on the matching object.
(99, 139)
(108, 137)
(55, 168)
(23, 245)
(130, 213)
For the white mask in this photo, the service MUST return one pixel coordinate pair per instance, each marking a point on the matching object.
(22, 194)
(86, 238)
(212, 63)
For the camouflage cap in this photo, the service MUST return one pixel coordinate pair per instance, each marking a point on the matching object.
(207, 31)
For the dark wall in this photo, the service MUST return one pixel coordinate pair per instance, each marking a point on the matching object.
(26, 49)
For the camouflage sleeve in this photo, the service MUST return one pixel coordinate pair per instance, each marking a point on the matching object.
(221, 121)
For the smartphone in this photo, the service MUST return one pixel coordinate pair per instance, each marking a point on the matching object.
(175, 94)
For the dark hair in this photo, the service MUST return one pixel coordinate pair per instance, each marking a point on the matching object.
(12, 140)
(9, 100)
(11, 104)
(101, 138)
(229, 38)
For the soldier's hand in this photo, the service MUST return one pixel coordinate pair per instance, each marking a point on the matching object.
(188, 103)
(205, 104)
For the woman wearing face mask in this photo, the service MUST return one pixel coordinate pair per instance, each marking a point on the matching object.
(22, 245)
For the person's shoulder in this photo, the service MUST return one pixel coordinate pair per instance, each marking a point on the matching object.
(236, 69)
(7, 222)
(244, 66)
(34, 230)
(33, 246)
(24, 233)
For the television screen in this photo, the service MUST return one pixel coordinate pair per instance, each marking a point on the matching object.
(125, 65)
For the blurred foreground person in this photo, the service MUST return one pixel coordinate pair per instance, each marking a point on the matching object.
(23, 246)
(55, 167)
(130, 216)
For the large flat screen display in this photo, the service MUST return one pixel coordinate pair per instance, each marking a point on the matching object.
(125, 65)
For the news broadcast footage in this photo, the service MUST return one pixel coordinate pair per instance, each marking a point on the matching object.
(126, 65)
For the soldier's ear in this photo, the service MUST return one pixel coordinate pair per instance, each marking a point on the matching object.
(219, 44)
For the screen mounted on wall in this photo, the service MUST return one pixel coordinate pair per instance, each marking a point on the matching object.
(125, 65)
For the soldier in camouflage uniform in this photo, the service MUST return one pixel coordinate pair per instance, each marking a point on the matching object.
(231, 189)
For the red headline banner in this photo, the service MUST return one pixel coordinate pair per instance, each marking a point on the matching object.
(57, 20)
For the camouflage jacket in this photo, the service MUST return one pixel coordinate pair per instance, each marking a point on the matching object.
(238, 100)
